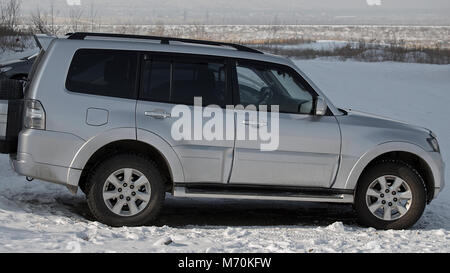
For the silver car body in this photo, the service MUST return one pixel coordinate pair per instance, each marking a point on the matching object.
(331, 154)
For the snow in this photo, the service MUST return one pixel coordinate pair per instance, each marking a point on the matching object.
(25, 46)
(43, 217)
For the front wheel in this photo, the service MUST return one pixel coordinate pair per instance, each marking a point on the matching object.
(390, 195)
(126, 190)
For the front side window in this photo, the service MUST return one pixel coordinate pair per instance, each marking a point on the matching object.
(179, 82)
(263, 85)
(103, 72)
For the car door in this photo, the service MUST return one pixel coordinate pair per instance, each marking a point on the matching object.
(168, 87)
(308, 150)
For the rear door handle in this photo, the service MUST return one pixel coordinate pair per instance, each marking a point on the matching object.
(157, 114)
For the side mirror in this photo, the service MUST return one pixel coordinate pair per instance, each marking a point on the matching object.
(320, 108)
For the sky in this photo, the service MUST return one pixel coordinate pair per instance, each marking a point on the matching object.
(258, 11)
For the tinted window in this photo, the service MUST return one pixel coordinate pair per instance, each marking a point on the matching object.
(156, 81)
(261, 85)
(206, 80)
(179, 82)
(103, 72)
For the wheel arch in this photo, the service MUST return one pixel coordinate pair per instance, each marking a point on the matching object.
(120, 141)
(409, 153)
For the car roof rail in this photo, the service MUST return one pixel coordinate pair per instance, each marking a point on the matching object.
(164, 40)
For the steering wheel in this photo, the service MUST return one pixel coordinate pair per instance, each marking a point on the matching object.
(266, 95)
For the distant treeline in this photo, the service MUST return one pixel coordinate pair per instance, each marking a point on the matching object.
(361, 51)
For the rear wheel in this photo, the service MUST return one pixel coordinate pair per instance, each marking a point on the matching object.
(391, 195)
(126, 190)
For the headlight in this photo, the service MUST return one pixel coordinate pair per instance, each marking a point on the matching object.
(5, 69)
(433, 142)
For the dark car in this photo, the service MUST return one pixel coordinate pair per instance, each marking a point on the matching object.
(17, 69)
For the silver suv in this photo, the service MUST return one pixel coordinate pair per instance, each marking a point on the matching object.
(98, 114)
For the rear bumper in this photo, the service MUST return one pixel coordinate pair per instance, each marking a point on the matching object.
(47, 155)
(23, 164)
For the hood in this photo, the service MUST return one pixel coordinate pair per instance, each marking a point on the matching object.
(360, 130)
(385, 122)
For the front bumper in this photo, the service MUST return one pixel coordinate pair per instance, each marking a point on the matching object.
(438, 169)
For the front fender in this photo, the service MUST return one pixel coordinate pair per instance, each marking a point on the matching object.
(352, 178)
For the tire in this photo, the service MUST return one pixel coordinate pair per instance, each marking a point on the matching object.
(11, 89)
(100, 185)
(391, 214)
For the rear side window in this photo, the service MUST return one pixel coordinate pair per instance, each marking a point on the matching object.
(103, 72)
(156, 81)
(179, 82)
(206, 80)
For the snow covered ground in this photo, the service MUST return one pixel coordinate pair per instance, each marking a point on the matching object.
(25, 46)
(36, 217)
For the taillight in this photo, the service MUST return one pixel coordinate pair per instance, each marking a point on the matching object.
(34, 115)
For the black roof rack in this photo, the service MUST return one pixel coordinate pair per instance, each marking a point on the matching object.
(164, 40)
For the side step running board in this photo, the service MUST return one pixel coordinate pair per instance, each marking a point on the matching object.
(262, 194)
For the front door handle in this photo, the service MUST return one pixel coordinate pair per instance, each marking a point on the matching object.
(157, 114)
(254, 123)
